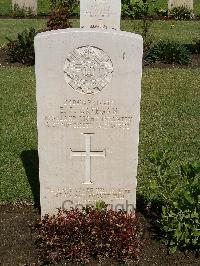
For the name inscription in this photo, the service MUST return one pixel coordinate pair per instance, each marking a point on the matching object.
(89, 114)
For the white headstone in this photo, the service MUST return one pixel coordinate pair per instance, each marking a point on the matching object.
(104, 14)
(177, 3)
(32, 4)
(88, 113)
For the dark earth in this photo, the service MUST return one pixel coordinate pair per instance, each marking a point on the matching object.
(17, 243)
(16, 238)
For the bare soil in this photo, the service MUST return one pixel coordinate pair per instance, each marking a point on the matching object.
(17, 244)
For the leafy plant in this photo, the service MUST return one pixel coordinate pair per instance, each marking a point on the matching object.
(78, 236)
(197, 46)
(162, 184)
(181, 228)
(136, 9)
(181, 13)
(22, 49)
(170, 52)
(174, 194)
(59, 19)
(100, 206)
(127, 9)
(68, 6)
(141, 9)
(147, 35)
(161, 12)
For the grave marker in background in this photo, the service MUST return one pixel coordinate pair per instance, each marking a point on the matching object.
(178, 3)
(32, 4)
(104, 14)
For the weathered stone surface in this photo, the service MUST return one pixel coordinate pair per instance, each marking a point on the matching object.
(27, 4)
(88, 113)
(104, 14)
(177, 3)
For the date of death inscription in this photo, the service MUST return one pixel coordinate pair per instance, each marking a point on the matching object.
(89, 114)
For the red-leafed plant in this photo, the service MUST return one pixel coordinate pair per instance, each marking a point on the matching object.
(59, 19)
(79, 236)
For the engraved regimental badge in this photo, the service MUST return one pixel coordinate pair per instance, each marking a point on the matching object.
(88, 69)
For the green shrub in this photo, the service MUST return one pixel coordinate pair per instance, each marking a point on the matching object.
(136, 9)
(161, 12)
(173, 193)
(169, 52)
(180, 221)
(70, 6)
(181, 228)
(127, 9)
(197, 46)
(162, 184)
(140, 10)
(22, 49)
(181, 13)
(147, 35)
(43, 7)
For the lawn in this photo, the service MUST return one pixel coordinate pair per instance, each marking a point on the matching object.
(6, 7)
(170, 107)
(170, 111)
(43, 6)
(160, 29)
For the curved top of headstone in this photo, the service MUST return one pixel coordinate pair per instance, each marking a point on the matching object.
(82, 31)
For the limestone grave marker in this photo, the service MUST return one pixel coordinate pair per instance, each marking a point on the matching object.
(32, 4)
(177, 3)
(104, 14)
(88, 84)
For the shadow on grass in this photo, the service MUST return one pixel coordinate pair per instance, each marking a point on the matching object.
(31, 164)
(152, 214)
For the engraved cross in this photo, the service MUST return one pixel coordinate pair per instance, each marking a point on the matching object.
(88, 154)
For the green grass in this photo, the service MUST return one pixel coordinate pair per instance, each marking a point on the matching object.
(170, 111)
(163, 4)
(5, 7)
(197, 7)
(10, 27)
(18, 130)
(183, 31)
(44, 7)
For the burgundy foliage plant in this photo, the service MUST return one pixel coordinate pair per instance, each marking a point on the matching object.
(79, 236)
(59, 19)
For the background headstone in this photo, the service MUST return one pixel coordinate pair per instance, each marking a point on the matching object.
(177, 3)
(104, 14)
(88, 113)
(27, 4)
